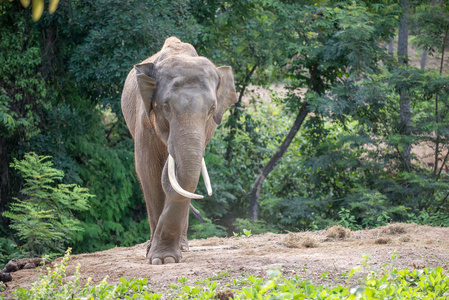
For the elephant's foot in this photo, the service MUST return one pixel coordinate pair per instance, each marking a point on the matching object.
(163, 253)
(166, 261)
(184, 244)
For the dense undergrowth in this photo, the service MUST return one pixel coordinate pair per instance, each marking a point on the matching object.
(387, 283)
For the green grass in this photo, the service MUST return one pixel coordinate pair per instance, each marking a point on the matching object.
(383, 284)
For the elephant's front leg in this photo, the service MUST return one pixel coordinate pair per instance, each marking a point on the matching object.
(169, 233)
(149, 172)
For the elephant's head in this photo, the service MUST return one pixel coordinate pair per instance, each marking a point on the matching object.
(185, 98)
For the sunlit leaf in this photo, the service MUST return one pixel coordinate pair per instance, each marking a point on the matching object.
(38, 8)
(53, 6)
(25, 3)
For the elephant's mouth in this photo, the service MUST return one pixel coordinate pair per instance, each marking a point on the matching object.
(177, 188)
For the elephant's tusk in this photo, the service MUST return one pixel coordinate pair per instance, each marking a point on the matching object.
(206, 177)
(174, 183)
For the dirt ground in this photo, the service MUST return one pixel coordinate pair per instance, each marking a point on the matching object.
(320, 256)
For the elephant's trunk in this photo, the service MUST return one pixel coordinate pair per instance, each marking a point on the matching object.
(183, 167)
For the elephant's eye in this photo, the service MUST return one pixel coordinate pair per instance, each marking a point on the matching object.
(212, 109)
(166, 107)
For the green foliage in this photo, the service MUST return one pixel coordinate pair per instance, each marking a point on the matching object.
(54, 285)
(8, 249)
(93, 150)
(248, 227)
(348, 220)
(22, 88)
(207, 229)
(239, 34)
(44, 219)
(347, 163)
(430, 27)
(112, 36)
(435, 219)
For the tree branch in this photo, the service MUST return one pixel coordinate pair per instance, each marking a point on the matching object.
(274, 161)
(442, 165)
(245, 83)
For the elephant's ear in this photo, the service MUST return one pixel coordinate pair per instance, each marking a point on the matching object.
(226, 95)
(146, 83)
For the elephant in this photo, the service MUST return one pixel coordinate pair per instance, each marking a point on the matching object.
(172, 103)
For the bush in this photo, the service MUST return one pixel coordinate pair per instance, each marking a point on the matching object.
(256, 227)
(55, 286)
(44, 220)
(7, 250)
(206, 229)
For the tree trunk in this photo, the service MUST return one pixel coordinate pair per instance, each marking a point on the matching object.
(315, 84)
(405, 113)
(4, 179)
(253, 208)
(424, 57)
(425, 48)
(437, 113)
(391, 46)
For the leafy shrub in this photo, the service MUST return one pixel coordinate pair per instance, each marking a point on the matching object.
(206, 229)
(55, 286)
(256, 227)
(44, 219)
(436, 219)
(7, 250)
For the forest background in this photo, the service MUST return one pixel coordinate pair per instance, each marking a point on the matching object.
(357, 136)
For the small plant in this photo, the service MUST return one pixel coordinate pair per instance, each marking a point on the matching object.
(257, 226)
(174, 286)
(2, 288)
(347, 219)
(183, 279)
(246, 233)
(44, 219)
(222, 274)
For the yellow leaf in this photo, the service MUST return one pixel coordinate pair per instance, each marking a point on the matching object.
(53, 6)
(25, 3)
(38, 8)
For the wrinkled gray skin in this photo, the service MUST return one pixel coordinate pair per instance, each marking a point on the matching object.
(172, 103)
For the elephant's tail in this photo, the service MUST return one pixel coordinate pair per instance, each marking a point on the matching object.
(196, 213)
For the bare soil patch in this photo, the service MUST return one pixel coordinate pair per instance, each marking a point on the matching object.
(308, 254)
